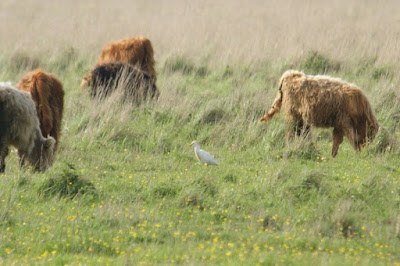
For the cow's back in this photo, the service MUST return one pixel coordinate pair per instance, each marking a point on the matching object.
(132, 51)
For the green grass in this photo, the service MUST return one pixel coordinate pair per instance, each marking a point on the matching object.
(126, 188)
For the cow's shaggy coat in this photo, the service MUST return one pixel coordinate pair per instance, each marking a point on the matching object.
(48, 94)
(19, 127)
(135, 84)
(323, 101)
(136, 51)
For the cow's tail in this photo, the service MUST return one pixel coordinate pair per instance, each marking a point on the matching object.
(276, 107)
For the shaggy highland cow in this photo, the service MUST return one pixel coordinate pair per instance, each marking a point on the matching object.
(323, 101)
(48, 94)
(133, 51)
(19, 127)
(135, 84)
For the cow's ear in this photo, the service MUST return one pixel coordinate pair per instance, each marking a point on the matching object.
(50, 141)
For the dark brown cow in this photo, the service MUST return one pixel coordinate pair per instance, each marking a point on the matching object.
(133, 51)
(135, 84)
(48, 94)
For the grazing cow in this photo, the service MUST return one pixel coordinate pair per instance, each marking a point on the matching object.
(48, 94)
(136, 84)
(133, 51)
(323, 101)
(19, 127)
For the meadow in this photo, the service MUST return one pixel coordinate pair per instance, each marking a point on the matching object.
(126, 189)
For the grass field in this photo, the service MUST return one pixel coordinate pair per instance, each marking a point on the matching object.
(126, 188)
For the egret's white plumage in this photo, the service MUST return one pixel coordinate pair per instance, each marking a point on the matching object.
(203, 156)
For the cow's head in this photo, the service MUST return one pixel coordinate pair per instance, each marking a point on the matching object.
(372, 131)
(86, 81)
(154, 93)
(42, 154)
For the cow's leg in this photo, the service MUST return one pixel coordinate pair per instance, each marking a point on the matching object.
(354, 138)
(306, 131)
(21, 155)
(299, 128)
(337, 139)
(292, 131)
(357, 145)
(302, 129)
(3, 154)
(294, 128)
(361, 137)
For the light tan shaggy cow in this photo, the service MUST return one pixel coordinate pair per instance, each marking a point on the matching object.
(19, 127)
(48, 94)
(323, 101)
(136, 51)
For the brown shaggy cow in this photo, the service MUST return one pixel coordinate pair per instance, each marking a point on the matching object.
(134, 51)
(323, 101)
(48, 94)
(136, 84)
(19, 127)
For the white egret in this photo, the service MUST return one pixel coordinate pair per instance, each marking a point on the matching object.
(203, 156)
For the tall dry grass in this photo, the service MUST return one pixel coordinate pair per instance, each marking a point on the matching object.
(224, 31)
